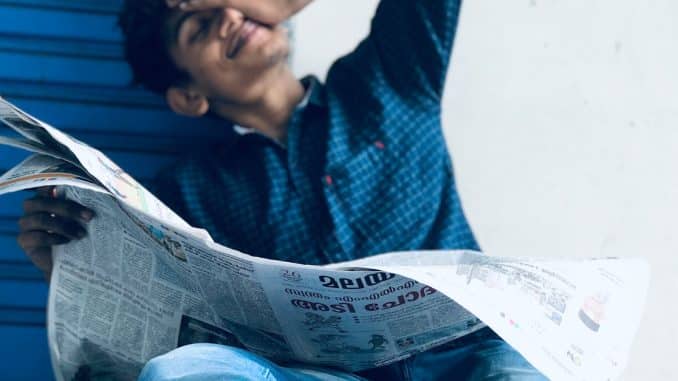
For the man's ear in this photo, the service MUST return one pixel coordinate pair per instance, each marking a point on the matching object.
(187, 102)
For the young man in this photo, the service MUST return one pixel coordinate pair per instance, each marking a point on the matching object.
(320, 173)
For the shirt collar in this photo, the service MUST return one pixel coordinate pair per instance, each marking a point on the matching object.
(240, 130)
(311, 96)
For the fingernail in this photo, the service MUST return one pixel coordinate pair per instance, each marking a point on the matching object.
(87, 215)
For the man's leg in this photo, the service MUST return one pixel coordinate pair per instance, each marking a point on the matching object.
(481, 356)
(211, 362)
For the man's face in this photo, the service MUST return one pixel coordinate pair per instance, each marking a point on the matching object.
(229, 58)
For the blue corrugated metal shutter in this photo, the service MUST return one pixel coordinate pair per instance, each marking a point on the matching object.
(61, 60)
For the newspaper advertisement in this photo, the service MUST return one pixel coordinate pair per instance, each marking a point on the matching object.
(144, 282)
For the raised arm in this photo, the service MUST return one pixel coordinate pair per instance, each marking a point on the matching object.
(413, 40)
(266, 11)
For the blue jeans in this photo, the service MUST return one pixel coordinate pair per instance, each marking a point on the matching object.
(479, 356)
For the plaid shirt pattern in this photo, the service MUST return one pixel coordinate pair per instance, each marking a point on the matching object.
(366, 169)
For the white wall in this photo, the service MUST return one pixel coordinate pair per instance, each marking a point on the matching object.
(561, 117)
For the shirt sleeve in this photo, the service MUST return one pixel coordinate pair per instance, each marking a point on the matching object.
(413, 41)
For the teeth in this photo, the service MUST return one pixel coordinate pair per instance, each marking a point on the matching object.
(245, 30)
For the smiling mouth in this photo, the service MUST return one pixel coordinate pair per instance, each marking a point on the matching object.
(241, 37)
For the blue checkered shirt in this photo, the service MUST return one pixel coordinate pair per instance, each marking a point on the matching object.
(365, 170)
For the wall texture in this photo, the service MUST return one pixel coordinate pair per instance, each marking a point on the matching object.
(561, 119)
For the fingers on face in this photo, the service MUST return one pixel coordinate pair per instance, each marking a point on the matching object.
(58, 207)
(195, 5)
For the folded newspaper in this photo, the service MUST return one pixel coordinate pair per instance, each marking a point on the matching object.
(145, 282)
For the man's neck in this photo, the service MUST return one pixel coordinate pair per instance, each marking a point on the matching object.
(271, 113)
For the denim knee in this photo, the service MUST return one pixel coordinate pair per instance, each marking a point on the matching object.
(480, 356)
(209, 362)
(495, 360)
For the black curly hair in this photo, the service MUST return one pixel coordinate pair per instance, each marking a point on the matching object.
(147, 41)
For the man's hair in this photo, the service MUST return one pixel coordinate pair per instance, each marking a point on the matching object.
(147, 43)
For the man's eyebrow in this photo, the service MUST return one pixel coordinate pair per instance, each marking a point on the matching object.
(179, 24)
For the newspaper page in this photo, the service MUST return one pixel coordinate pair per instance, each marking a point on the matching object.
(41, 171)
(94, 162)
(143, 283)
(29, 145)
(572, 319)
(352, 320)
(33, 132)
(137, 288)
(118, 298)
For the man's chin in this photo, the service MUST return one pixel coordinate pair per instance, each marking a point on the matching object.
(276, 53)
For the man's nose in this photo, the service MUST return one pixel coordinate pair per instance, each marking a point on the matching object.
(230, 19)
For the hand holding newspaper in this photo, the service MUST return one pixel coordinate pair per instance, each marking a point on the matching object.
(145, 282)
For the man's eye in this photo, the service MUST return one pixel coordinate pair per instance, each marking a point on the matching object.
(204, 26)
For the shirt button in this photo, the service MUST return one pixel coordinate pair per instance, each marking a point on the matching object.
(328, 180)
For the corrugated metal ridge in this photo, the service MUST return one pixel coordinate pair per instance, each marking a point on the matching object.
(85, 6)
(121, 96)
(22, 316)
(68, 47)
(8, 224)
(19, 271)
